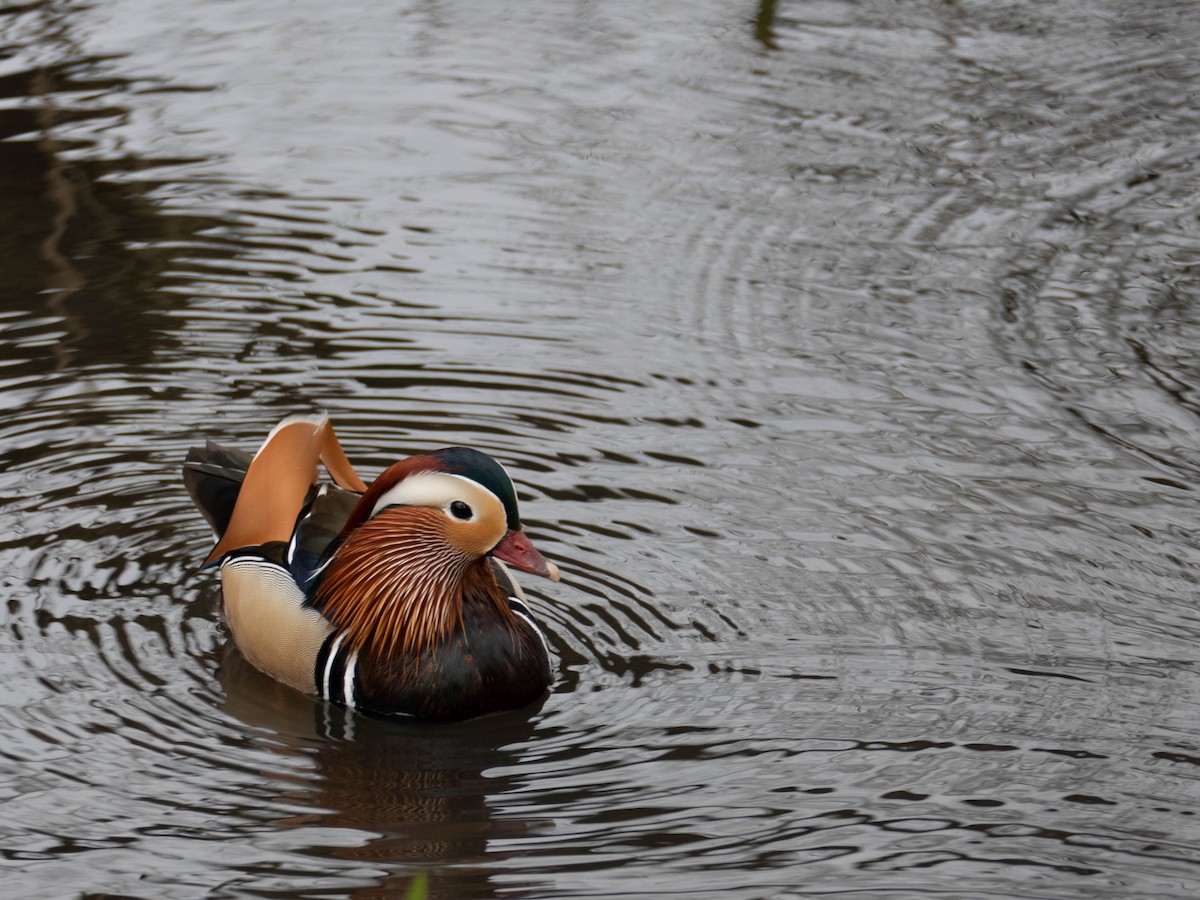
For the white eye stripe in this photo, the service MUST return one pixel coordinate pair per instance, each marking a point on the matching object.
(434, 489)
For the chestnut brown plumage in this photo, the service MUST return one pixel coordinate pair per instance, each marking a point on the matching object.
(396, 582)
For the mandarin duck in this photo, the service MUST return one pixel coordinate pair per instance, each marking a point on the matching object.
(389, 599)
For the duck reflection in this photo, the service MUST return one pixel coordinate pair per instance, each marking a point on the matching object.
(419, 790)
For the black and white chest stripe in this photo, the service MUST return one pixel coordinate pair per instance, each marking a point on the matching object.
(521, 610)
(517, 602)
(335, 671)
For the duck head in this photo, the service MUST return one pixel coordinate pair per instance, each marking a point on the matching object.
(418, 543)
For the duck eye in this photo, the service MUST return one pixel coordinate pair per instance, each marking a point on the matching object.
(460, 510)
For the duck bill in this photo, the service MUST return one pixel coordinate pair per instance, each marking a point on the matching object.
(516, 550)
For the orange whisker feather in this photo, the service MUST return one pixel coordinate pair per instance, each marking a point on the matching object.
(395, 583)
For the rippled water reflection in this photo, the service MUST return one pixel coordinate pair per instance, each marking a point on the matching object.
(844, 354)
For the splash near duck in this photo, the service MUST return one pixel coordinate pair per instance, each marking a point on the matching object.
(391, 599)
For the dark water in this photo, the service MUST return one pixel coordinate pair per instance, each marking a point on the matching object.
(847, 356)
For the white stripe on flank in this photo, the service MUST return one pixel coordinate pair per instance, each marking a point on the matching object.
(329, 661)
(348, 680)
(318, 570)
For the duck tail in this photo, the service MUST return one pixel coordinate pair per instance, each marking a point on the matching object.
(213, 475)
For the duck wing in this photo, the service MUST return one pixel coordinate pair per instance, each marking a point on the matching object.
(256, 500)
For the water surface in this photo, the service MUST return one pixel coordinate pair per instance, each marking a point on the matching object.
(844, 355)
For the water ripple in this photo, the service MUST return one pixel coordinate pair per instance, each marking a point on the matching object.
(843, 359)
(1103, 284)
